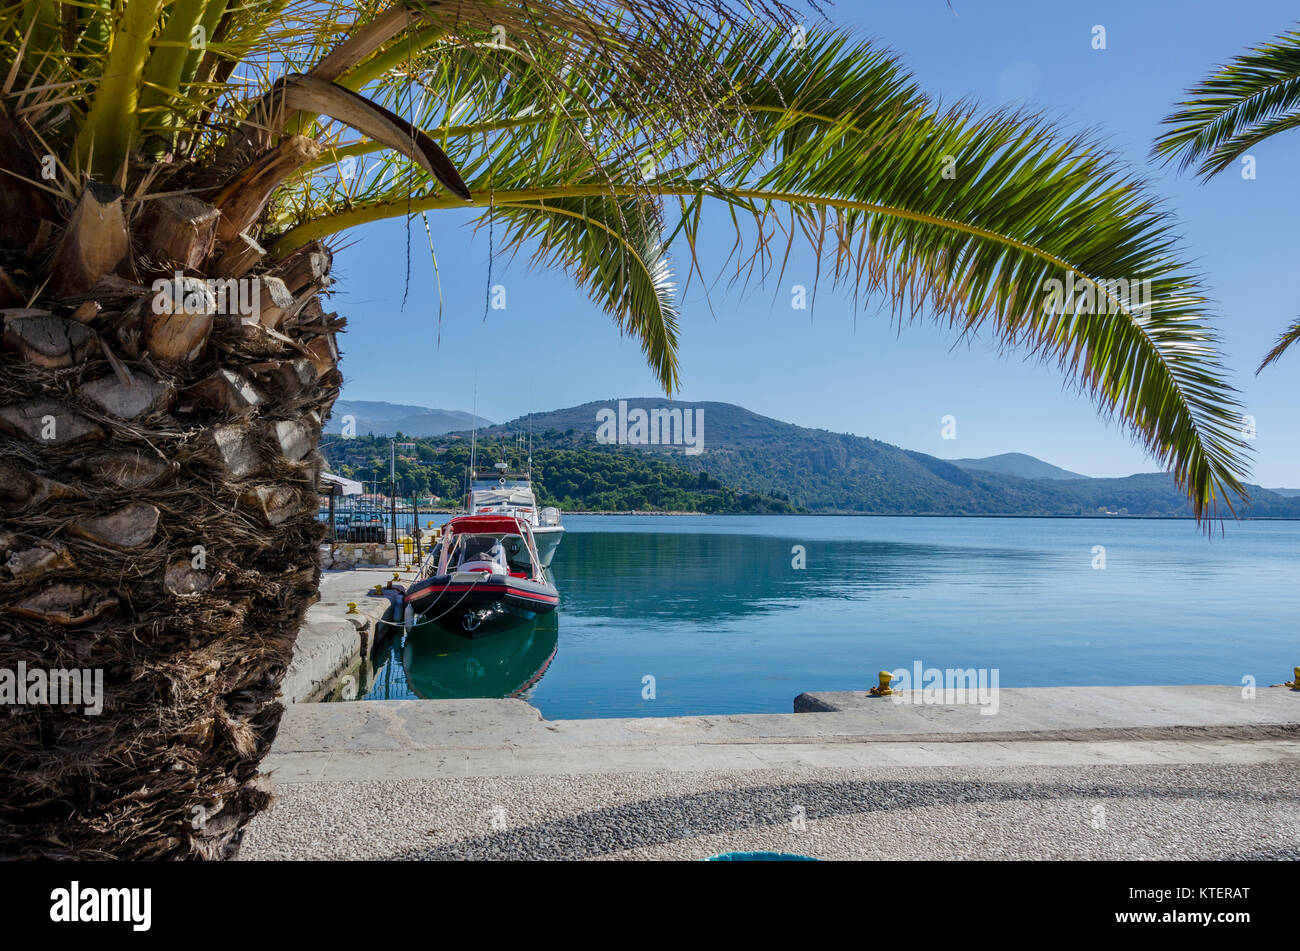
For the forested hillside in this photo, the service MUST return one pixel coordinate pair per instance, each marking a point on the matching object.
(751, 463)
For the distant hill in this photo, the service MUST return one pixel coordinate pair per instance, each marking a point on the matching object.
(822, 471)
(384, 419)
(600, 479)
(1287, 493)
(1017, 464)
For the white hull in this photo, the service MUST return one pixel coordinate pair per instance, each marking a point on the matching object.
(512, 494)
(548, 538)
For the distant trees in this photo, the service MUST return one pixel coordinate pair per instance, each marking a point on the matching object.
(585, 479)
(577, 474)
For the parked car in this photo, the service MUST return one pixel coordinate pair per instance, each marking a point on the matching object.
(365, 528)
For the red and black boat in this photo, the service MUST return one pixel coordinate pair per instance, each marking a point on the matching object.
(483, 576)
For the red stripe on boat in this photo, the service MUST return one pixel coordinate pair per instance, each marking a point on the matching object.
(493, 588)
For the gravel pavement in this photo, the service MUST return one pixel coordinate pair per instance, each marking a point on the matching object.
(1197, 811)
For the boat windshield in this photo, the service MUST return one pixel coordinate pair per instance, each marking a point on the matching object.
(500, 481)
(517, 498)
(498, 553)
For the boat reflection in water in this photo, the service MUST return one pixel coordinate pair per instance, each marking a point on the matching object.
(444, 666)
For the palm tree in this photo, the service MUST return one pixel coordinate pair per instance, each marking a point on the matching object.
(159, 446)
(1239, 105)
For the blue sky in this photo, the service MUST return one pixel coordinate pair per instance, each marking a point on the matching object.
(851, 370)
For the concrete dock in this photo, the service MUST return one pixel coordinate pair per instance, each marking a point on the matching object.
(332, 641)
(1116, 772)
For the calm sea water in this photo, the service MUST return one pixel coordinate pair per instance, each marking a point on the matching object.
(713, 610)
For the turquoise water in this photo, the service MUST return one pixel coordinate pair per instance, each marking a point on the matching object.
(713, 610)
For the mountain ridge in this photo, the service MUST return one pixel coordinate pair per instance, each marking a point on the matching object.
(814, 470)
(823, 471)
(381, 418)
(1018, 464)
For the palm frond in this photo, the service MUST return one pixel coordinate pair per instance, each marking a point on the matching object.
(614, 249)
(976, 216)
(111, 122)
(843, 154)
(1254, 96)
(1284, 342)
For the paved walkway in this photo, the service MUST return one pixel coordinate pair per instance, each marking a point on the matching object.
(1198, 811)
(1136, 772)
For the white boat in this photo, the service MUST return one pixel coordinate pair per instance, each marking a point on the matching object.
(501, 491)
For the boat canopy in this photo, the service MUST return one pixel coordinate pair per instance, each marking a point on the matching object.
(485, 525)
(473, 535)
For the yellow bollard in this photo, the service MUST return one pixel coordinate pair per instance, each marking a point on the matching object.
(1295, 684)
(396, 578)
(883, 690)
(377, 589)
(352, 608)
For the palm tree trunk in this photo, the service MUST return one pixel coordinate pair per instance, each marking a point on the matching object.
(158, 494)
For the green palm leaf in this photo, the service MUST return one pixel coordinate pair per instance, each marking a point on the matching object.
(840, 152)
(1288, 337)
(614, 248)
(1254, 96)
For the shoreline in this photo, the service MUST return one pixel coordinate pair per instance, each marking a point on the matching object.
(1131, 518)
